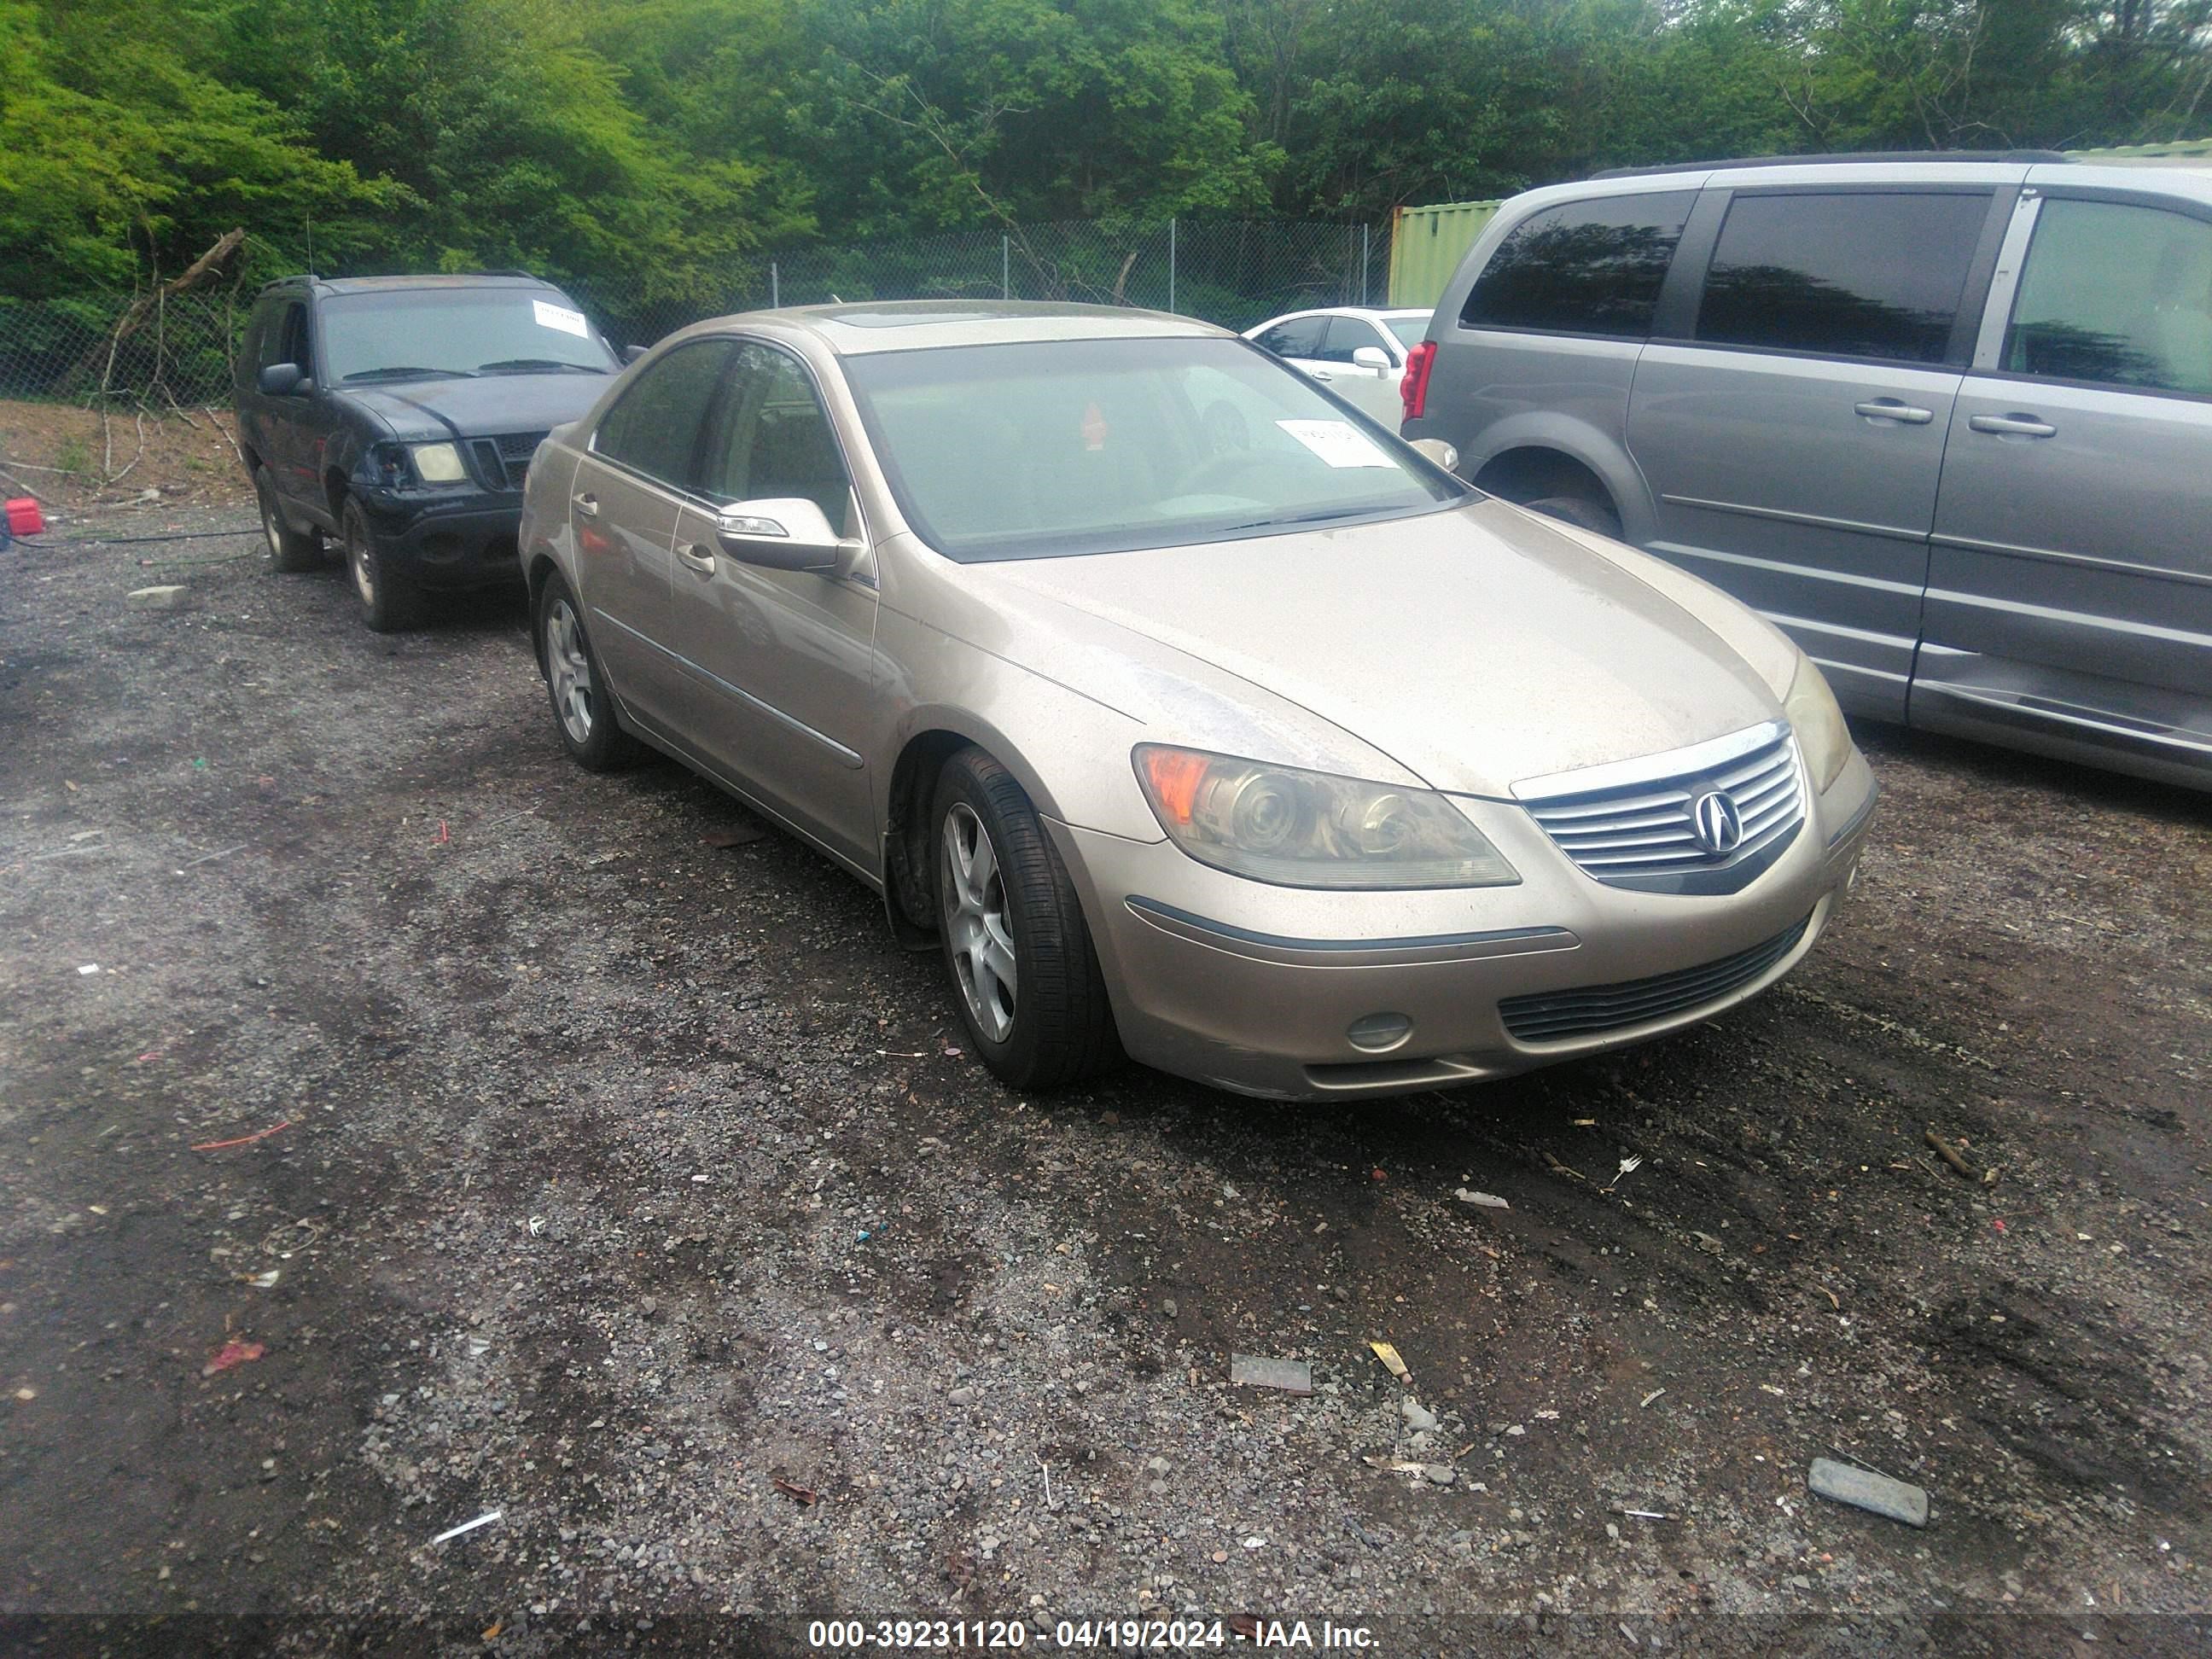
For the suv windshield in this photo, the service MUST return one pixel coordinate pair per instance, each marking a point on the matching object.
(409, 334)
(1024, 451)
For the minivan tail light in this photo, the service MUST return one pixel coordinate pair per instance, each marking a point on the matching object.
(1413, 388)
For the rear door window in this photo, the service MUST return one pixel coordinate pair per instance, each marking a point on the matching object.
(2116, 295)
(1300, 337)
(655, 429)
(1867, 273)
(1591, 267)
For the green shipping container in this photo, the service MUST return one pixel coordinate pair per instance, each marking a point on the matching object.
(1427, 244)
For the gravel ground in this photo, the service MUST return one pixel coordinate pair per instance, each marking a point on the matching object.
(635, 1187)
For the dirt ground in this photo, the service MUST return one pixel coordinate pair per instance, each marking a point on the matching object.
(76, 463)
(399, 1125)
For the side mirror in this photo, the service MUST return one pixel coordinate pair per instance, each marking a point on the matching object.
(782, 532)
(1372, 358)
(283, 381)
(630, 354)
(1439, 451)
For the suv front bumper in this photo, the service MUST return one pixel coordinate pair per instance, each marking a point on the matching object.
(446, 539)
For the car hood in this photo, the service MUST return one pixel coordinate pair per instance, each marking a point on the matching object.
(432, 409)
(1474, 648)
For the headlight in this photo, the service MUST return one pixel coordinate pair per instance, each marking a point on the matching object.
(1821, 734)
(1294, 828)
(439, 463)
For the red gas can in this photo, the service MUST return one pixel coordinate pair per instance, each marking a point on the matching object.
(24, 517)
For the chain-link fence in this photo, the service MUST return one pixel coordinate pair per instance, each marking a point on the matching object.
(157, 352)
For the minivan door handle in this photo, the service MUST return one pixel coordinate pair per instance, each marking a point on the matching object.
(587, 504)
(2013, 426)
(1889, 409)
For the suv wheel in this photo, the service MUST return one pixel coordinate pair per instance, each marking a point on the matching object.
(289, 550)
(1581, 511)
(389, 602)
(583, 713)
(1031, 993)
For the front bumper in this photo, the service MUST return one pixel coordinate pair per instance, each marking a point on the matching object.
(448, 538)
(1257, 988)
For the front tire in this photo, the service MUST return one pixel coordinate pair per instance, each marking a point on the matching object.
(1027, 979)
(583, 712)
(290, 551)
(389, 602)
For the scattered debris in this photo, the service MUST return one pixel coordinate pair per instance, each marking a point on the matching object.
(266, 1281)
(89, 969)
(233, 1352)
(443, 835)
(26, 1395)
(1418, 1418)
(1391, 1363)
(1950, 1155)
(1707, 1241)
(1648, 1515)
(1863, 1489)
(807, 1500)
(208, 858)
(170, 598)
(1395, 1465)
(242, 1141)
(741, 835)
(1649, 1398)
(1560, 1169)
(1630, 1165)
(1290, 1375)
(1488, 1201)
(484, 1520)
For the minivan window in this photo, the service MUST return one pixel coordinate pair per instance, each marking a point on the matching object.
(655, 427)
(2118, 294)
(1846, 274)
(1591, 267)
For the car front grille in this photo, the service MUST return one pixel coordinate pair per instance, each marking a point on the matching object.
(504, 461)
(1638, 827)
(1554, 1015)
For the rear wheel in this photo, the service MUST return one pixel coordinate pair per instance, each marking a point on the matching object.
(1581, 511)
(389, 602)
(1031, 993)
(582, 713)
(289, 550)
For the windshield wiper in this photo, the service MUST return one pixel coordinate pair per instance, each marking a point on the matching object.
(406, 371)
(507, 365)
(1321, 515)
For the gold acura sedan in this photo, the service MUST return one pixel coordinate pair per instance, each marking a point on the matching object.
(1193, 716)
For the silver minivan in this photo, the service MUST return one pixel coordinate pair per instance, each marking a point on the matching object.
(1947, 422)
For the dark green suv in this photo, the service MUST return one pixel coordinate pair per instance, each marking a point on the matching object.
(396, 417)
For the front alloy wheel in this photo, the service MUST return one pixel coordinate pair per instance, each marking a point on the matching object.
(1031, 996)
(583, 708)
(979, 935)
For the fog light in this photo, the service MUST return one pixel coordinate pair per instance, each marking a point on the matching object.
(1377, 1033)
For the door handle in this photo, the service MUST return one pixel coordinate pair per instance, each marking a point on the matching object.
(2014, 426)
(1889, 409)
(587, 504)
(1321, 374)
(695, 555)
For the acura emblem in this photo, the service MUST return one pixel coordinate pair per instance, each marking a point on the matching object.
(1716, 823)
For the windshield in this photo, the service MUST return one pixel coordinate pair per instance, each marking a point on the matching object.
(1409, 330)
(411, 333)
(1023, 451)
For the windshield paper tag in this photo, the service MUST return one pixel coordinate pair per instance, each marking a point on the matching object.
(1337, 443)
(560, 317)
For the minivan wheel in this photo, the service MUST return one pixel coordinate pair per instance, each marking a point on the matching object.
(1019, 953)
(291, 551)
(389, 602)
(1581, 511)
(582, 712)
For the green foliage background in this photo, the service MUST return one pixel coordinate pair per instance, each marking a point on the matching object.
(657, 146)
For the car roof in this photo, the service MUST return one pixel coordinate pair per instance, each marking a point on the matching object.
(863, 329)
(508, 279)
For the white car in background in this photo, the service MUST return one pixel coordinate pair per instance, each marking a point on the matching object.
(1358, 353)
